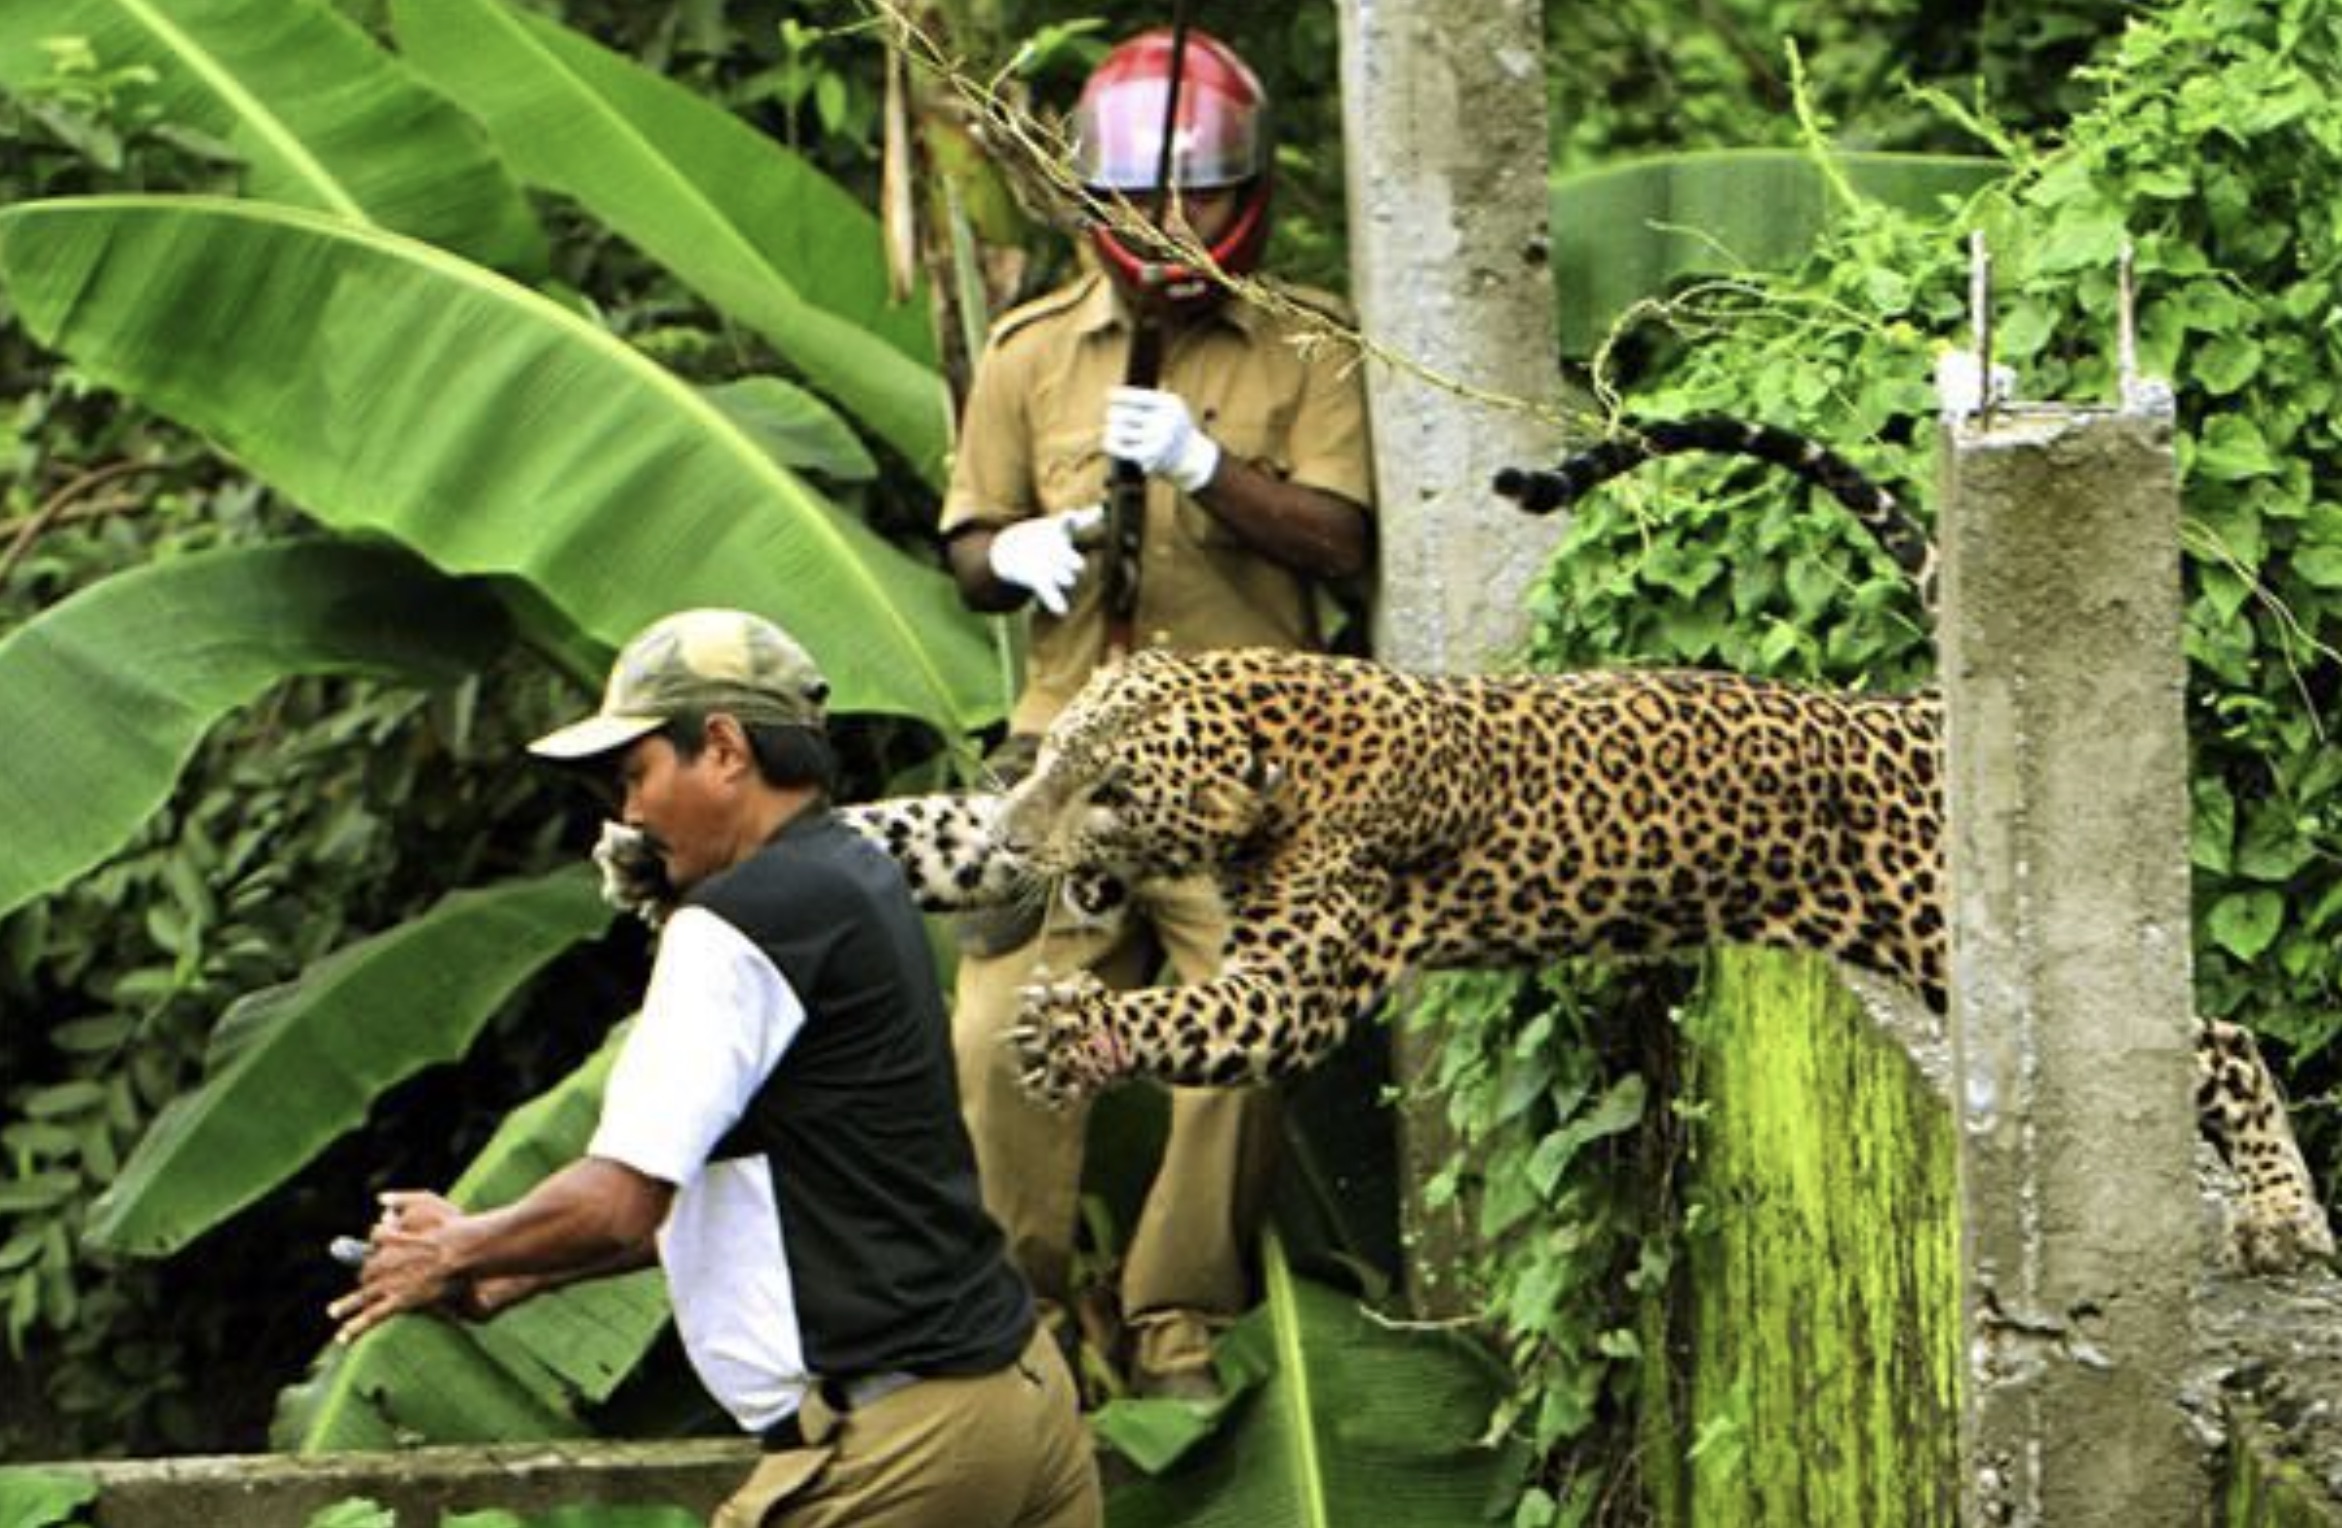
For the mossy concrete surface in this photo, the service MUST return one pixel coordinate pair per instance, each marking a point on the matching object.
(285, 1491)
(1813, 1333)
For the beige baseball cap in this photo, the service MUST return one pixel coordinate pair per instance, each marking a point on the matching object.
(694, 662)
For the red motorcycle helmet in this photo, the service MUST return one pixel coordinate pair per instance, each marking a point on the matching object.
(1221, 139)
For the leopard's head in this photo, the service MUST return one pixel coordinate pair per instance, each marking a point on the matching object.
(1150, 771)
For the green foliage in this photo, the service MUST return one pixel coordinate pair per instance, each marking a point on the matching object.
(1548, 1088)
(2208, 152)
(291, 827)
(576, 1517)
(1644, 74)
(1347, 1419)
(43, 1498)
(532, 1373)
(319, 116)
(175, 646)
(755, 230)
(403, 423)
(2204, 136)
(325, 810)
(1626, 231)
(293, 1068)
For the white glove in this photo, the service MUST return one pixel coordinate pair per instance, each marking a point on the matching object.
(1154, 431)
(1039, 554)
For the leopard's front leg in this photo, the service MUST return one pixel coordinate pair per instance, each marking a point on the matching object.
(1305, 960)
(948, 849)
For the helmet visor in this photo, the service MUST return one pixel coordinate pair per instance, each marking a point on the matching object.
(1118, 137)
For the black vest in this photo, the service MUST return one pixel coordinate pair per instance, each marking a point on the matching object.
(895, 1263)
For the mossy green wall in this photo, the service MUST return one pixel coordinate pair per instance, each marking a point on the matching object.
(2261, 1488)
(1812, 1336)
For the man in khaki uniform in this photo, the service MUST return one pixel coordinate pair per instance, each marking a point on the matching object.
(1258, 481)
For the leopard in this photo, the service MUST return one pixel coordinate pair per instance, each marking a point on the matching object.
(1364, 822)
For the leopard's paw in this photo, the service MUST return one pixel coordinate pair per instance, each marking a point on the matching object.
(634, 875)
(1065, 1039)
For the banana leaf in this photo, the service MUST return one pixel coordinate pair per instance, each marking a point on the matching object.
(322, 117)
(1347, 1421)
(530, 1374)
(105, 695)
(294, 1067)
(43, 1498)
(797, 428)
(747, 224)
(389, 387)
(1631, 231)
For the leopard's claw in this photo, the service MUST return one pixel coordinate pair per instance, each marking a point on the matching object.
(1066, 1040)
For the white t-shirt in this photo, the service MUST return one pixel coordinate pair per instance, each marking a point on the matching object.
(716, 1020)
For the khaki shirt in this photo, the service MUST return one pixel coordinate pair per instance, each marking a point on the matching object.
(1030, 444)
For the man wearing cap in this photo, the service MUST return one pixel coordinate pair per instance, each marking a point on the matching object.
(781, 1132)
(1251, 445)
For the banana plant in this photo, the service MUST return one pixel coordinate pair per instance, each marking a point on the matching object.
(294, 1067)
(751, 227)
(1331, 1417)
(110, 691)
(533, 1373)
(1624, 233)
(321, 116)
(483, 463)
(391, 388)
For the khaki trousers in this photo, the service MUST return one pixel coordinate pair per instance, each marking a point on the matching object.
(1001, 1450)
(1190, 1249)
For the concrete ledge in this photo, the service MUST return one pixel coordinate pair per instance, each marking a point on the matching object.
(2276, 1345)
(284, 1490)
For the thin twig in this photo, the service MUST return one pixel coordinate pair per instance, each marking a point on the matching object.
(2208, 541)
(53, 510)
(1045, 153)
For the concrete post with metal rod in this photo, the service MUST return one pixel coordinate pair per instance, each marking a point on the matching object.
(2066, 795)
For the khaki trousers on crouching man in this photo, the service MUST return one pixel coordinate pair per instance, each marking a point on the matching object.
(1000, 1450)
(1187, 1268)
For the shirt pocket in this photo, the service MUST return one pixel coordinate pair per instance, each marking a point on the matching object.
(1072, 470)
(1258, 437)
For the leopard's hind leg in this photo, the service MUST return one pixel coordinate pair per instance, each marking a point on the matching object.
(2280, 1225)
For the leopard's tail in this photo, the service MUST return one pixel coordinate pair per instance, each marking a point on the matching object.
(1542, 491)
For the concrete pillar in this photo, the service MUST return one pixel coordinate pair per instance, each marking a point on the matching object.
(2071, 1010)
(1443, 118)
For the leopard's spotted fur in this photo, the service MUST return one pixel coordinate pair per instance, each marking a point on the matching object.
(1364, 821)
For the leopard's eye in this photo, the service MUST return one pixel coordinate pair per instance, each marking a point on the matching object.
(1111, 790)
